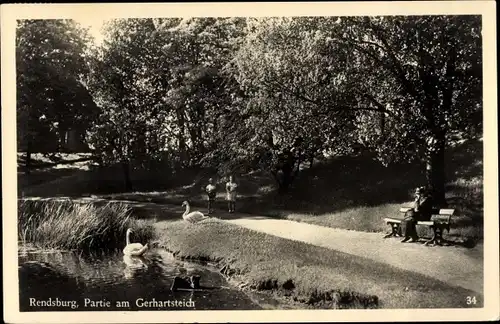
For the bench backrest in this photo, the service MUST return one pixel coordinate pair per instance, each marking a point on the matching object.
(446, 211)
(444, 216)
(438, 215)
(440, 218)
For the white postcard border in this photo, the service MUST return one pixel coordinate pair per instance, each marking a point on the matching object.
(9, 14)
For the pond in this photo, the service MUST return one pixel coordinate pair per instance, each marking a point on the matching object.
(66, 281)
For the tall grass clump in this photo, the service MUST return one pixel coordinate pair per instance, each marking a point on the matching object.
(67, 225)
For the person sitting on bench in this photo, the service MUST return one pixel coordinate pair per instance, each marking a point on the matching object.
(421, 211)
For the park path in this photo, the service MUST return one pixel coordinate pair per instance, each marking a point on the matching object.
(456, 266)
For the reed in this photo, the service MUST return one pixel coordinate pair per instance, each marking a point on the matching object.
(65, 225)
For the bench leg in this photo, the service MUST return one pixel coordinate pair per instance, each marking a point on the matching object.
(439, 236)
(395, 231)
(434, 237)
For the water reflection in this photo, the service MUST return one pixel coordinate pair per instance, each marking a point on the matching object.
(134, 265)
(103, 282)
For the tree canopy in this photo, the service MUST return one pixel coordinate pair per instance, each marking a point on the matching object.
(400, 86)
(51, 60)
(268, 93)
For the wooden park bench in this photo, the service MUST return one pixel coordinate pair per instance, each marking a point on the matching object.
(440, 221)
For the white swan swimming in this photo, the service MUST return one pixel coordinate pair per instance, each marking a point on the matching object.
(134, 265)
(135, 262)
(134, 249)
(192, 217)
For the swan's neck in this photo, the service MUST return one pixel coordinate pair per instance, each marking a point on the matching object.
(128, 237)
(187, 209)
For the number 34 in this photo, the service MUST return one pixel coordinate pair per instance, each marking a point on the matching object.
(471, 300)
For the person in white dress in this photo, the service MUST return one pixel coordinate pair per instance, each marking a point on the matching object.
(231, 194)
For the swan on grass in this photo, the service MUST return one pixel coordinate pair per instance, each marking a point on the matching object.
(134, 249)
(192, 217)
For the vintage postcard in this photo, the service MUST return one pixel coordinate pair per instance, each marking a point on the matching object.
(249, 162)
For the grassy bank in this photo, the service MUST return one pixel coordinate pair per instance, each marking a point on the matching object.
(72, 226)
(319, 277)
(367, 192)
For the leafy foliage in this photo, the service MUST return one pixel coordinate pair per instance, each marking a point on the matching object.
(267, 93)
(386, 83)
(127, 129)
(51, 61)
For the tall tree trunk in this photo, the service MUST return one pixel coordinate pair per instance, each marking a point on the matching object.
(288, 174)
(200, 145)
(299, 161)
(283, 179)
(126, 175)
(311, 160)
(285, 183)
(436, 176)
(195, 134)
(63, 140)
(435, 169)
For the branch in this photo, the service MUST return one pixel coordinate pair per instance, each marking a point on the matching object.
(399, 72)
(374, 101)
(395, 67)
(322, 102)
(371, 43)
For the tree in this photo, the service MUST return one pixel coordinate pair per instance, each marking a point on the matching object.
(297, 102)
(424, 72)
(50, 66)
(130, 130)
(162, 91)
(407, 83)
(196, 50)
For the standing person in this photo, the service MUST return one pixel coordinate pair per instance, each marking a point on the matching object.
(211, 190)
(231, 194)
(421, 211)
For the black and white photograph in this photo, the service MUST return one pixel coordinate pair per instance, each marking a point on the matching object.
(337, 157)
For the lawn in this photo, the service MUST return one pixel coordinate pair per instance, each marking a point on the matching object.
(47, 168)
(318, 277)
(464, 194)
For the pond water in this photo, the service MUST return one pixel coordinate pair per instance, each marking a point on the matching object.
(66, 281)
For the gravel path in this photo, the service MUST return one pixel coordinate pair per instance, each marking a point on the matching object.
(456, 266)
